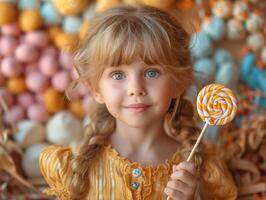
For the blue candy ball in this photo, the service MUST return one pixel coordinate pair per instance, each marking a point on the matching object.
(89, 13)
(215, 28)
(222, 56)
(71, 24)
(227, 74)
(246, 66)
(204, 70)
(50, 15)
(201, 45)
(29, 4)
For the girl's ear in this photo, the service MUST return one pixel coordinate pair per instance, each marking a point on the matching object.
(97, 96)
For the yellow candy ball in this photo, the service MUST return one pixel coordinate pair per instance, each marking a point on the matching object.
(30, 20)
(16, 85)
(159, 3)
(53, 100)
(71, 7)
(83, 29)
(66, 41)
(8, 13)
(75, 106)
(103, 5)
(132, 2)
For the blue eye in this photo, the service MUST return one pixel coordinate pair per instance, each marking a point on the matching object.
(152, 73)
(117, 76)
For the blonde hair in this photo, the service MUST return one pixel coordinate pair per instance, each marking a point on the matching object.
(120, 36)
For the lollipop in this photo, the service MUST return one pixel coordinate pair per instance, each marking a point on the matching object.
(216, 105)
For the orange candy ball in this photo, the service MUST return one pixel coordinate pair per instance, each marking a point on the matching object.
(76, 107)
(16, 85)
(71, 7)
(8, 13)
(53, 100)
(66, 41)
(30, 20)
(159, 3)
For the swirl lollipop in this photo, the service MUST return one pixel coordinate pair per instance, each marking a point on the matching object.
(216, 105)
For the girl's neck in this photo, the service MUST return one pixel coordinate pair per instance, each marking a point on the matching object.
(135, 142)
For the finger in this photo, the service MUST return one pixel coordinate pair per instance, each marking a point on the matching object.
(188, 166)
(185, 177)
(174, 194)
(180, 186)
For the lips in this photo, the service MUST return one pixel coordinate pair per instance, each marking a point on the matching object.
(138, 108)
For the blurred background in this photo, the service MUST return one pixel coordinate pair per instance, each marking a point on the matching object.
(37, 39)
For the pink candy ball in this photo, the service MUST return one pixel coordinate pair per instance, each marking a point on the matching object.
(60, 81)
(37, 113)
(39, 97)
(25, 99)
(10, 67)
(7, 96)
(37, 38)
(50, 51)
(30, 68)
(26, 53)
(48, 65)
(11, 29)
(7, 45)
(65, 60)
(36, 81)
(15, 114)
(2, 79)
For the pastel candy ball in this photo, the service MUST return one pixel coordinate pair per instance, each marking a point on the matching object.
(235, 30)
(10, 67)
(241, 10)
(214, 27)
(30, 20)
(15, 114)
(89, 104)
(25, 99)
(50, 51)
(89, 13)
(70, 7)
(6, 96)
(26, 53)
(30, 68)
(246, 66)
(37, 38)
(222, 9)
(8, 13)
(53, 32)
(159, 3)
(50, 15)
(76, 108)
(263, 55)
(11, 29)
(205, 70)
(29, 4)
(83, 29)
(222, 56)
(60, 81)
(2, 79)
(53, 100)
(66, 60)
(256, 41)
(48, 65)
(7, 45)
(36, 82)
(30, 160)
(227, 74)
(16, 85)
(37, 113)
(201, 45)
(254, 22)
(71, 24)
(67, 128)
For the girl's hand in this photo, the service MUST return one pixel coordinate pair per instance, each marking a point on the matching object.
(183, 182)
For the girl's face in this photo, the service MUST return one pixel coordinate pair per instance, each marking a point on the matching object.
(136, 94)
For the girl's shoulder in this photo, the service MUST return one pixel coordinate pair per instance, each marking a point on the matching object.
(54, 163)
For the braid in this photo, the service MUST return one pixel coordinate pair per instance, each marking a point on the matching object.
(95, 138)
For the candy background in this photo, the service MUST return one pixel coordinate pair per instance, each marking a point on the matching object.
(37, 38)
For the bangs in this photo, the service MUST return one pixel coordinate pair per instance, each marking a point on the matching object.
(127, 40)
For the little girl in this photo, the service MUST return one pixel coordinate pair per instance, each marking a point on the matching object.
(136, 61)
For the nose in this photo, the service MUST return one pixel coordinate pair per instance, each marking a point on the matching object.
(136, 87)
